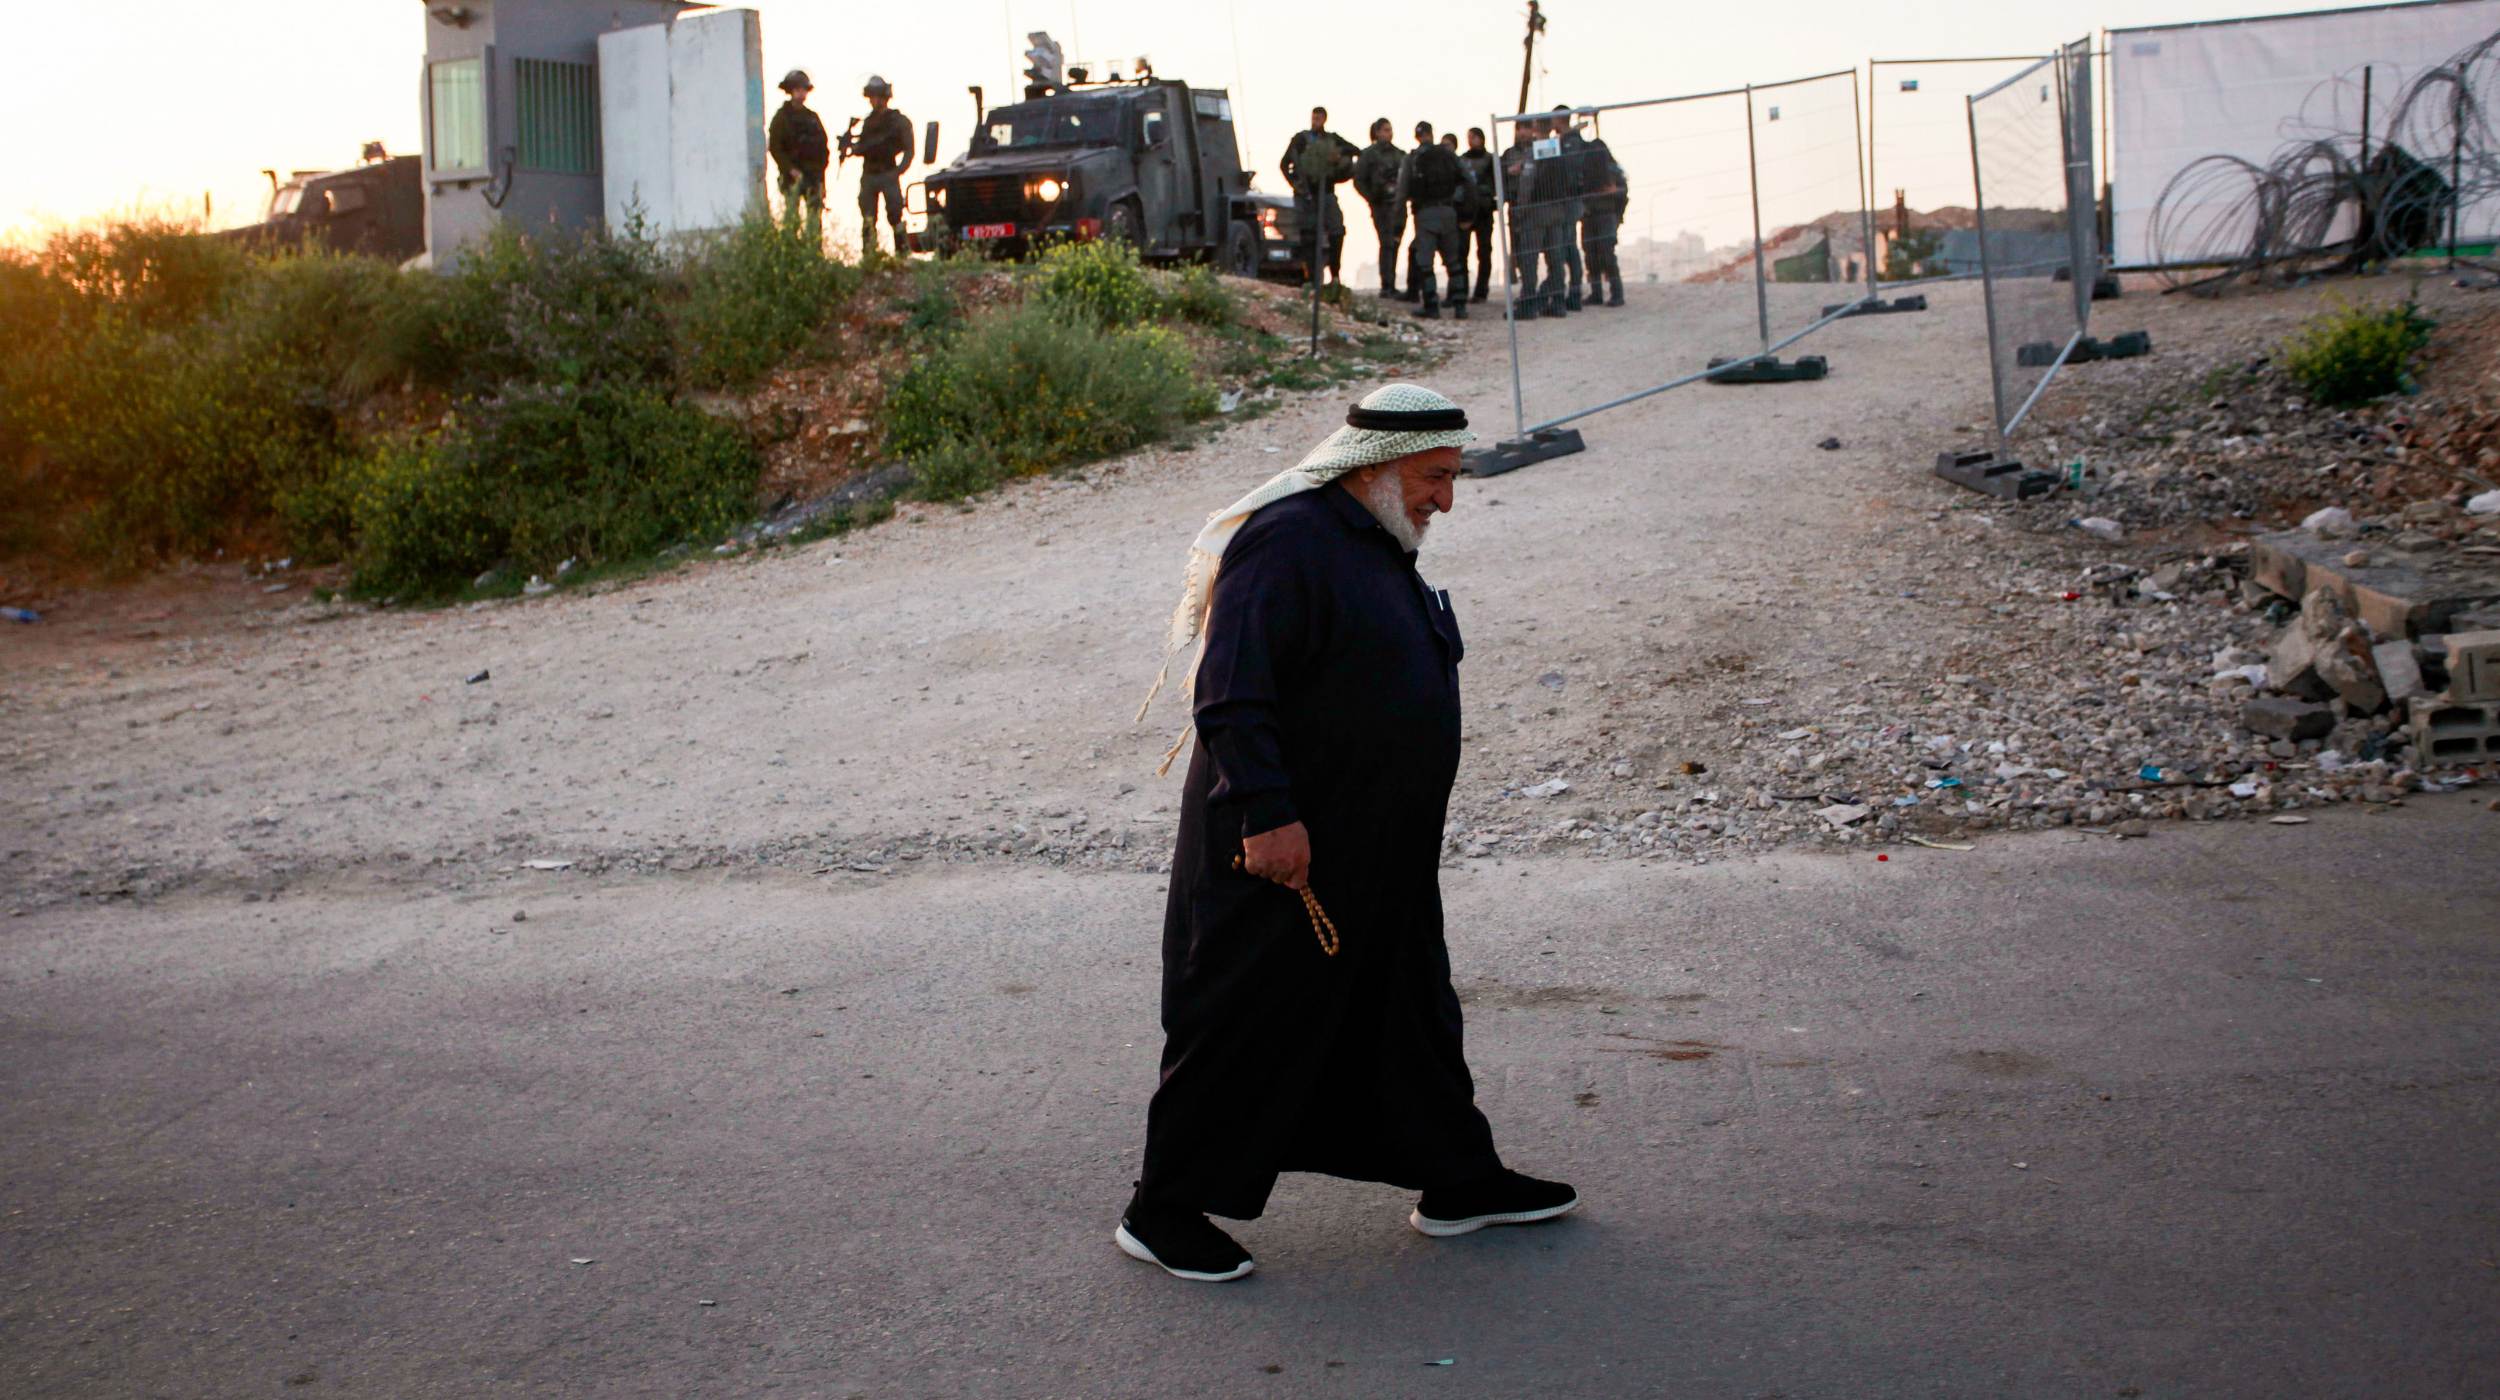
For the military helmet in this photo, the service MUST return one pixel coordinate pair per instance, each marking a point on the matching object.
(877, 87)
(795, 79)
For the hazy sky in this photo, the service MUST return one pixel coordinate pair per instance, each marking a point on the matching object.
(115, 105)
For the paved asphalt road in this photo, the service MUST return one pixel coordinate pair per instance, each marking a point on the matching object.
(2212, 1114)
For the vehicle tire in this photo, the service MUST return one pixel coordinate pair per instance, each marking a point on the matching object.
(1241, 249)
(1125, 224)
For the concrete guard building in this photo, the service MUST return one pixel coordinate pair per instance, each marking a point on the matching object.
(575, 114)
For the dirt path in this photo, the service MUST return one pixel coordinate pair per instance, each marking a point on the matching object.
(1700, 582)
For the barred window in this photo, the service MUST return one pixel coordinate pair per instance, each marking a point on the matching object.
(456, 99)
(558, 116)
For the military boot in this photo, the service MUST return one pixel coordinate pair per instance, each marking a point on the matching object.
(1571, 300)
(1615, 297)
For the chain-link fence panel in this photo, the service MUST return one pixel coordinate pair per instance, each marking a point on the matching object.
(2023, 245)
(1719, 226)
(1918, 166)
(1814, 226)
(1650, 203)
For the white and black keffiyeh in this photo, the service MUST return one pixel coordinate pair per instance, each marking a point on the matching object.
(1393, 421)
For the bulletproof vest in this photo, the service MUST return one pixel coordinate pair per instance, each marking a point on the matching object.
(1574, 180)
(1435, 177)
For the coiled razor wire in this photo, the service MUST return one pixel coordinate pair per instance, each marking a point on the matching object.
(2333, 200)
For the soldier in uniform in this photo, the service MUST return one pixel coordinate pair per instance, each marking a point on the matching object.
(883, 146)
(1476, 163)
(1316, 161)
(1608, 198)
(1565, 230)
(1431, 184)
(1376, 180)
(1518, 170)
(800, 152)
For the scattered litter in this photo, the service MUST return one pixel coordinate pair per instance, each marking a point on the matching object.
(275, 587)
(1905, 800)
(2150, 772)
(1758, 702)
(1444, 1361)
(1829, 444)
(2488, 503)
(1551, 787)
(1843, 813)
(21, 614)
(585, 1261)
(1944, 782)
(543, 864)
(1228, 401)
(2244, 788)
(480, 677)
(536, 586)
(1936, 845)
(1793, 735)
(1271, 451)
(2022, 1166)
(2289, 821)
(2101, 527)
(705, 1303)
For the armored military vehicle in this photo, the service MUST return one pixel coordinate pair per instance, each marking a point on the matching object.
(375, 207)
(1150, 162)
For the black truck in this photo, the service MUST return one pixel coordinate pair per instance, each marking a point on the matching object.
(1149, 162)
(376, 207)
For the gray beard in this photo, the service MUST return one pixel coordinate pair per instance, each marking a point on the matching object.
(1385, 498)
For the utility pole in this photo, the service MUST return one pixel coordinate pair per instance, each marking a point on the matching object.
(1527, 64)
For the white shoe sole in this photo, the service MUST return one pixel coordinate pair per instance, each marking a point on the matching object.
(1135, 1248)
(1443, 1229)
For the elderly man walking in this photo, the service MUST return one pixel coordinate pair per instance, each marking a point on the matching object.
(1309, 1020)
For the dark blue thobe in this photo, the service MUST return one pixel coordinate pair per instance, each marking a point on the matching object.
(1327, 693)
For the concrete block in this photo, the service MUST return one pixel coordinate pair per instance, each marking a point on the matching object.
(2445, 731)
(2398, 670)
(2282, 717)
(2473, 665)
(2292, 667)
(2396, 600)
(1985, 473)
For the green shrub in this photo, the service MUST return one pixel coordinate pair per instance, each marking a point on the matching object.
(753, 297)
(2354, 354)
(1198, 296)
(551, 309)
(157, 272)
(544, 474)
(1100, 282)
(158, 435)
(1026, 389)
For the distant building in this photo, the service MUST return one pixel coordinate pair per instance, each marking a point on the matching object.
(511, 95)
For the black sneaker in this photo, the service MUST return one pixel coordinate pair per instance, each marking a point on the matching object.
(1426, 312)
(1504, 1198)
(1182, 1244)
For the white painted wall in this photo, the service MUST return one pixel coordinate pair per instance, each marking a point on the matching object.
(634, 119)
(681, 108)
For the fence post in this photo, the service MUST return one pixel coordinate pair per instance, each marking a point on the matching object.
(2083, 268)
(1753, 186)
(1510, 295)
(1987, 291)
(1319, 252)
(2456, 162)
(1866, 189)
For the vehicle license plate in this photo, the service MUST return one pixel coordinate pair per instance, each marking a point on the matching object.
(990, 231)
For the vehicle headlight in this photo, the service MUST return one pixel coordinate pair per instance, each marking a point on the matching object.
(937, 196)
(1267, 218)
(1049, 188)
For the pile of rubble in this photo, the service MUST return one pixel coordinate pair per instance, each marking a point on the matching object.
(2395, 647)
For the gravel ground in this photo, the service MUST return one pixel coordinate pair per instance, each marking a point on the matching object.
(1689, 641)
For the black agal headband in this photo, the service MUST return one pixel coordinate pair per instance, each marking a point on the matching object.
(1415, 420)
